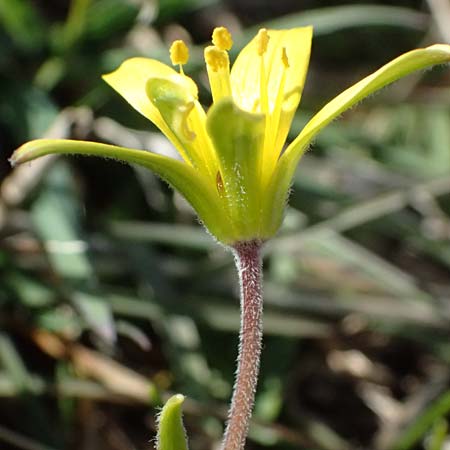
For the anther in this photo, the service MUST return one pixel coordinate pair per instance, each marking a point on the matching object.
(262, 40)
(179, 53)
(284, 57)
(216, 58)
(222, 39)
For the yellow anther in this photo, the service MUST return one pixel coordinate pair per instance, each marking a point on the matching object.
(222, 39)
(284, 57)
(262, 40)
(179, 52)
(216, 58)
(218, 68)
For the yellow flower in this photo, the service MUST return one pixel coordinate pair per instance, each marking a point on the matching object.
(234, 171)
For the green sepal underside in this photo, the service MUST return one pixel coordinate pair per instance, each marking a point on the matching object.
(173, 101)
(186, 119)
(171, 432)
(280, 182)
(184, 178)
(238, 138)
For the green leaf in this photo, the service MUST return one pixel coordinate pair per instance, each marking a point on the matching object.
(26, 112)
(20, 19)
(78, 13)
(171, 432)
(438, 435)
(173, 235)
(12, 362)
(438, 409)
(97, 314)
(171, 9)
(55, 217)
(30, 292)
(106, 18)
(336, 18)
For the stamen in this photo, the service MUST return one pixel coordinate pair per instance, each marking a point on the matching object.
(218, 66)
(216, 58)
(179, 53)
(222, 39)
(271, 144)
(262, 40)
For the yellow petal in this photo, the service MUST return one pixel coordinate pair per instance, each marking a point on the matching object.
(285, 64)
(130, 81)
(245, 77)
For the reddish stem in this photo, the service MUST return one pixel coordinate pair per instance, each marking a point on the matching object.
(249, 266)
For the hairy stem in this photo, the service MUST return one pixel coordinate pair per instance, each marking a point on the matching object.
(249, 266)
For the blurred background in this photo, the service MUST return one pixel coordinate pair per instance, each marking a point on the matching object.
(112, 297)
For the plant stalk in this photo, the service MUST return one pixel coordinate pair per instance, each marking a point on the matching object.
(249, 265)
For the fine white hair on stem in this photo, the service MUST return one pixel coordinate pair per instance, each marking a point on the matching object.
(249, 265)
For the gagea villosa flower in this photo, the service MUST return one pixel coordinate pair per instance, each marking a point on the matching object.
(234, 170)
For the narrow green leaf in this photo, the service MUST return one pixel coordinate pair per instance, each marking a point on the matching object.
(336, 18)
(97, 314)
(55, 218)
(171, 432)
(30, 292)
(25, 110)
(438, 435)
(21, 20)
(422, 424)
(174, 235)
(107, 18)
(12, 362)
(75, 23)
